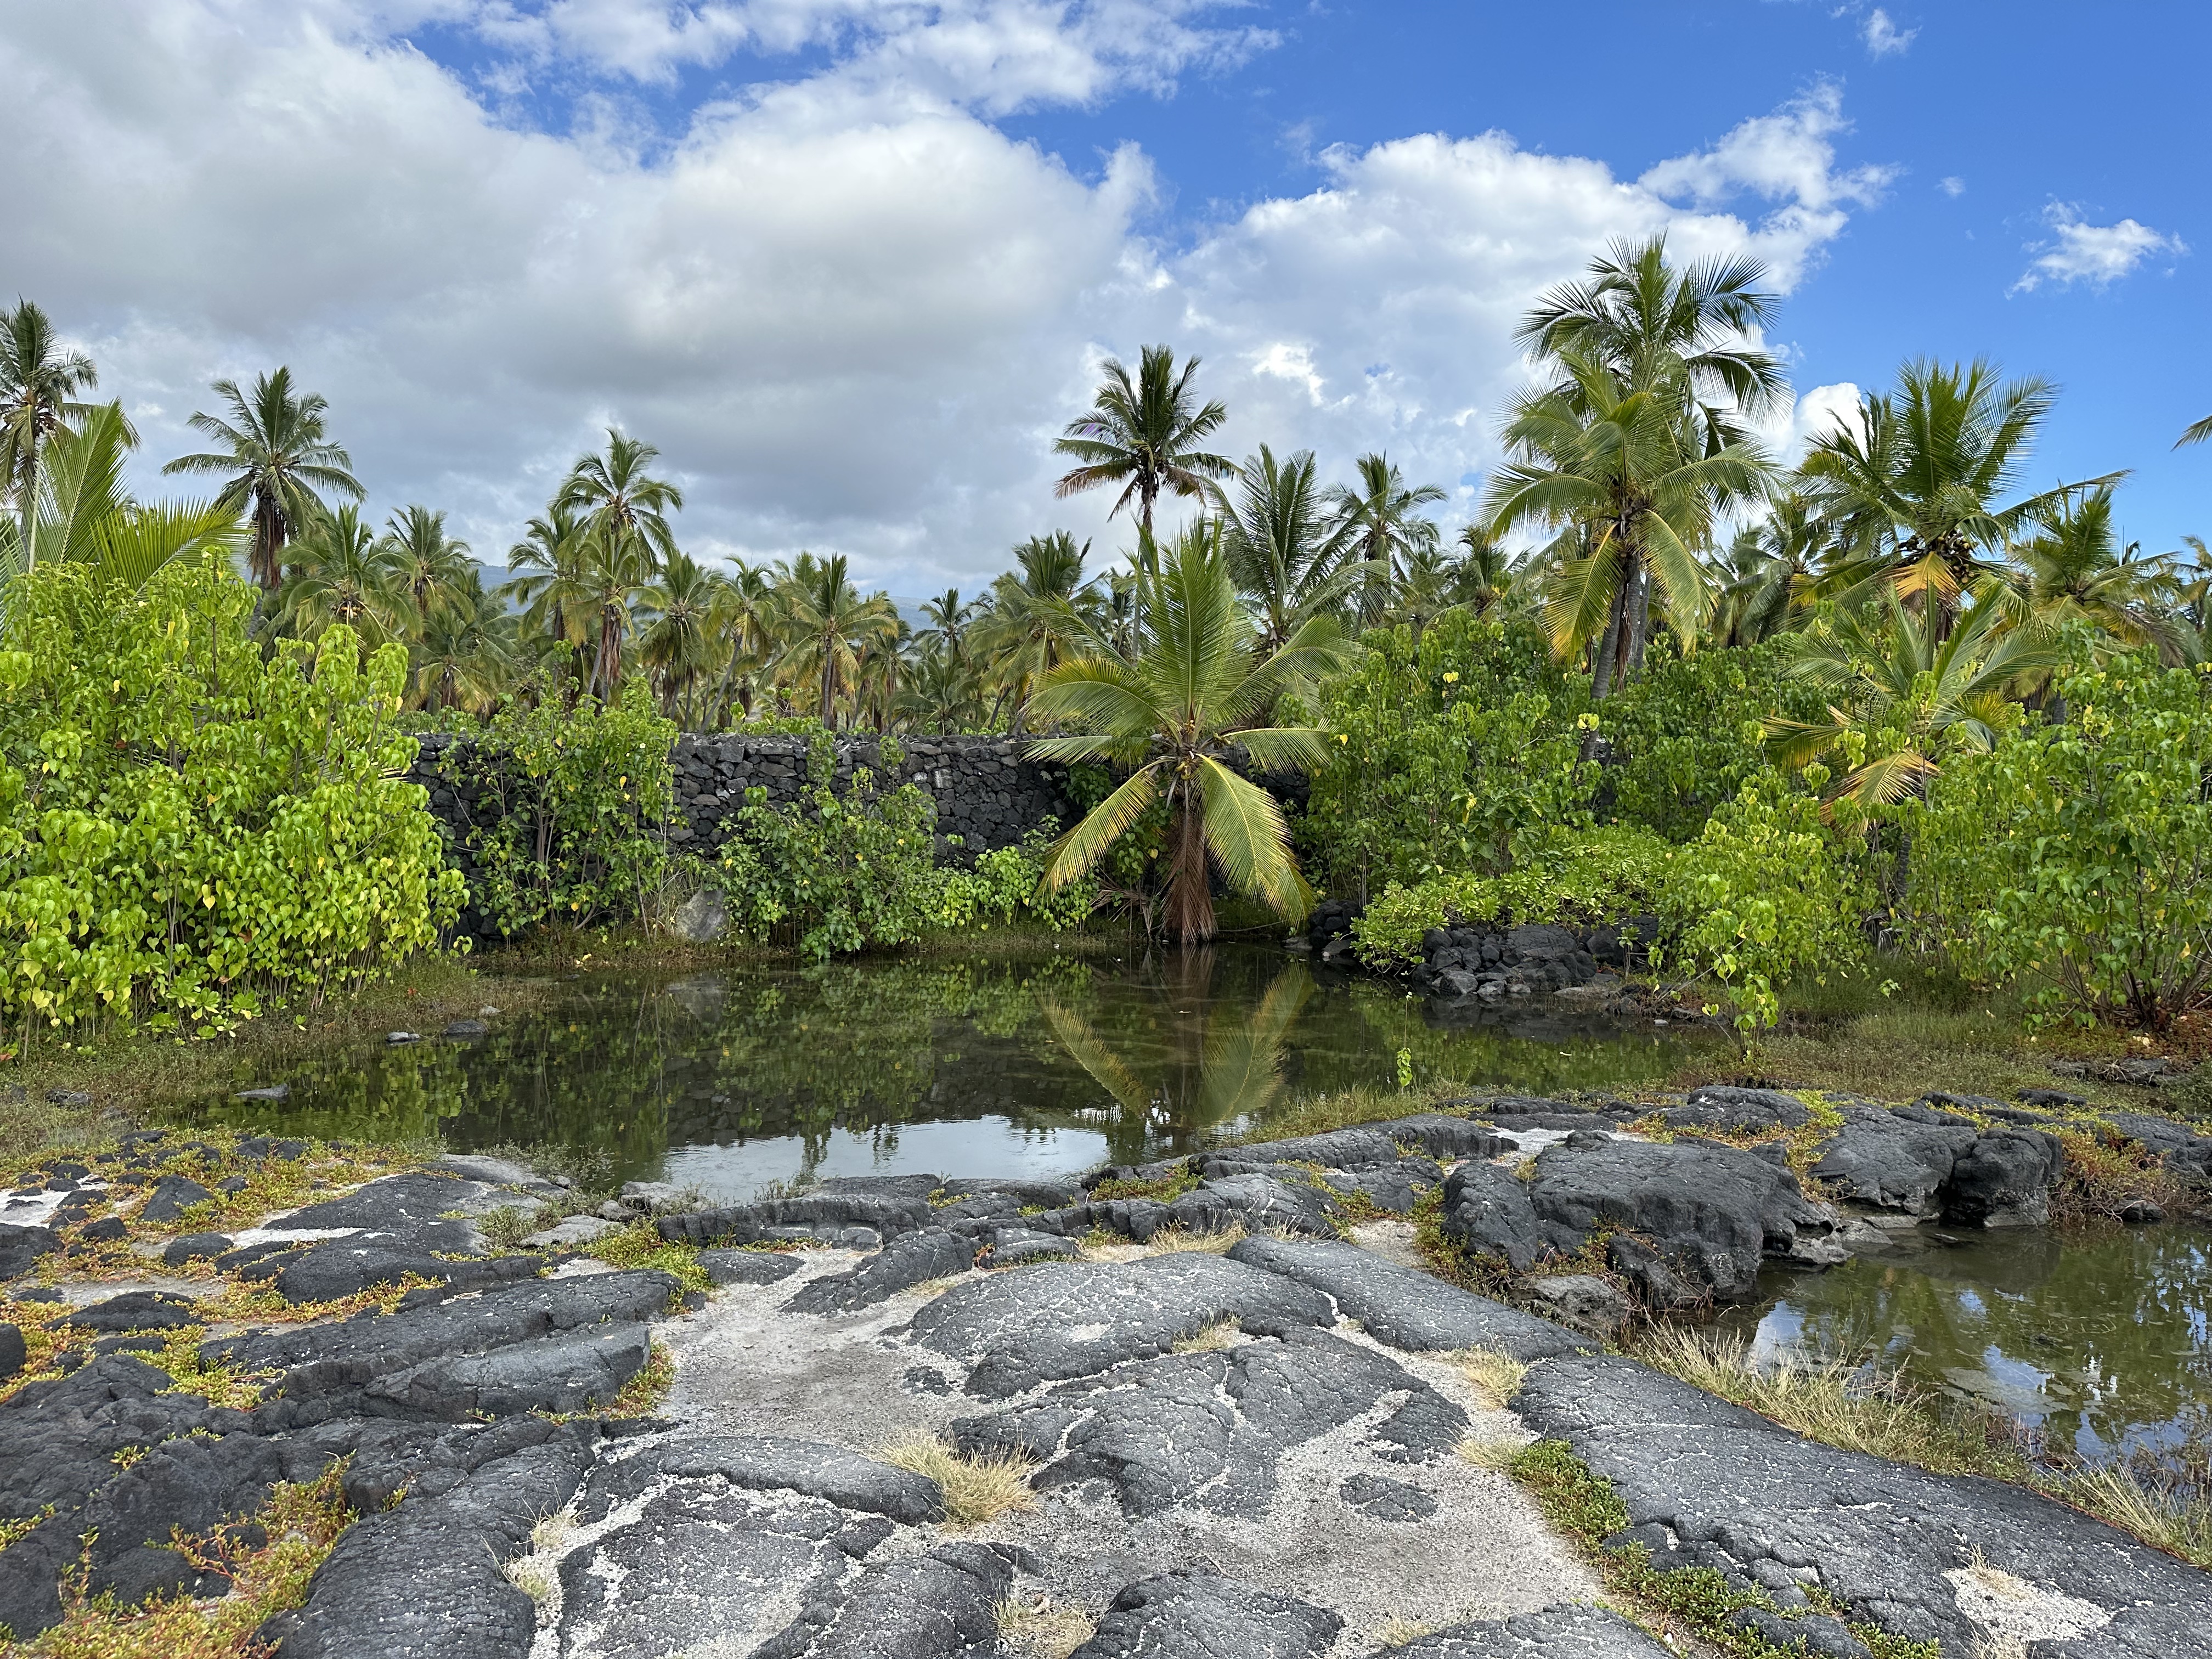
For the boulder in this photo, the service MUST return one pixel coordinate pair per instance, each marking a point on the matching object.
(194, 1247)
(2004, 1180)
(1253, 1202)
(13, 1351)
(702, 918)
(21, 1246)
(747, 1266)
(1892, 1160)
(1582, 1302)
(171, 1197)
(133, 1311)
(1405, 1309)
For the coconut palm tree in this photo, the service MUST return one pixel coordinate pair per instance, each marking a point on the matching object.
(949, 621)
(1276, 538)
(939, 692)
(1653, 323)
(1914, 486)
(1613, 465)
(279, 459)
(83, 515)
(1906, 697)
(426, 563)
(1043, 612)
(338, 574)
(1196, 688)
(744, 616)
(2074, 570)
(39, 379)
(831, 626)
(1379, 526)
(1144, 435)
(465, 657)
(552, 553)
(621, 503)
(1768, 574)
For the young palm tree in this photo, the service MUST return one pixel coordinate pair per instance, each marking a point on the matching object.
(339, 574)
(1613, 463)
(1144, 435)
(949, 623)
(1767, 576)
(1914, 488)
(39, 379)
(620, 501)
(940, 693)
(427, 564)
(1380, 526)
(1276, 541)
(82, 514)
(552, 553)
(277, 457)
(1195, 688)
(1906, 697)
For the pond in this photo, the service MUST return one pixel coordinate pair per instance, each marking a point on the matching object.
(757, 1074)
(2098, 1338)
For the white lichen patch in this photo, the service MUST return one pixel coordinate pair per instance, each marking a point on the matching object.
(2012, 1612)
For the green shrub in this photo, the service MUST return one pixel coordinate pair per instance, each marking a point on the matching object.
(1442, 756)
(1573, 876)
(832, 874)
(187, 826)
(573, 802)
(1685, 734)
(2076, 856)
(1768, 890)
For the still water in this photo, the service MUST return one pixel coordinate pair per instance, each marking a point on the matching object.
(966, 1067)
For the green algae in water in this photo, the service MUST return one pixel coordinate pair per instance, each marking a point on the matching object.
(957, 1066)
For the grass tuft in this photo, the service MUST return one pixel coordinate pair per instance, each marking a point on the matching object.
(1495, 1376)
(978, 1486)
(1221, 1334)
(1038, 1627)
(641, 1245)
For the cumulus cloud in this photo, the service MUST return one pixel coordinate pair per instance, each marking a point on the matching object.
(1882, 36)
(2098, 255)
(851, 310)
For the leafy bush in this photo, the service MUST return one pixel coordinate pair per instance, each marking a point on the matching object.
(187, 826)
(2077, 856)
(1443, 755)
(834, 873)
(1685, 734)
(1573, 876)
(1766, 891)
(573, 801)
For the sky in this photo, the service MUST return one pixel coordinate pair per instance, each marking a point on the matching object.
(852, 263)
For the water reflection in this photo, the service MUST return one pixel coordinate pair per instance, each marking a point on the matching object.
(772, 1072)
(2101, 1337)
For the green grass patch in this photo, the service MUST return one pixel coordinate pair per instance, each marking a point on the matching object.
(641, 1245)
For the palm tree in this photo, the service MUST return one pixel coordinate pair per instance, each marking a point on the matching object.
(1485, 569)
(1613, 463)
(1379, 524)
(553, 551)
(1043, 612)
(621, 503)
(2075, 571)
(1278, 543)
(1767, 573)
(2197, 433)
(948, 622)
(465, 657)
(677, 643)
(1913, 489)
(82, 514)
(1170, 717)
(277, 457)
(1144, 436)
(338, 574)
(426, 563)
(1652, 323)
(744, 616)
(940, 692)
(831, 626)
(39, 379)
(1906, 696)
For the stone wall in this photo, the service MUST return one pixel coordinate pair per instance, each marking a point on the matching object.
(987, 792)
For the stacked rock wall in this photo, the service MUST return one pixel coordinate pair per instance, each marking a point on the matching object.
(988, 793)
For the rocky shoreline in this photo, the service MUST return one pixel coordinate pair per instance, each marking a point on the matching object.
(1281, 1450)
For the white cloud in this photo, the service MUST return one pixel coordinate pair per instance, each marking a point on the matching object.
(850, 310)
(2096, 254)
(1953, 186)
(1882, 36)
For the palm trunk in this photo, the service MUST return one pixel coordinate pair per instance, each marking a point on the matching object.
(1189, 917)
(1601, 663)
(1639, 618)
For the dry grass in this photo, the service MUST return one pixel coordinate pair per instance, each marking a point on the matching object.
(537, 1575)
(1038, 1627)
(1166, 1241)
(1496, 1456)
(978, 1487)
(1396, 1632)
(1222, 1333)
(2174, 1517)
(1494, 1376)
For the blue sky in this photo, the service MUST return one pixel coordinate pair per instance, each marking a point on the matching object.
(849, 262)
